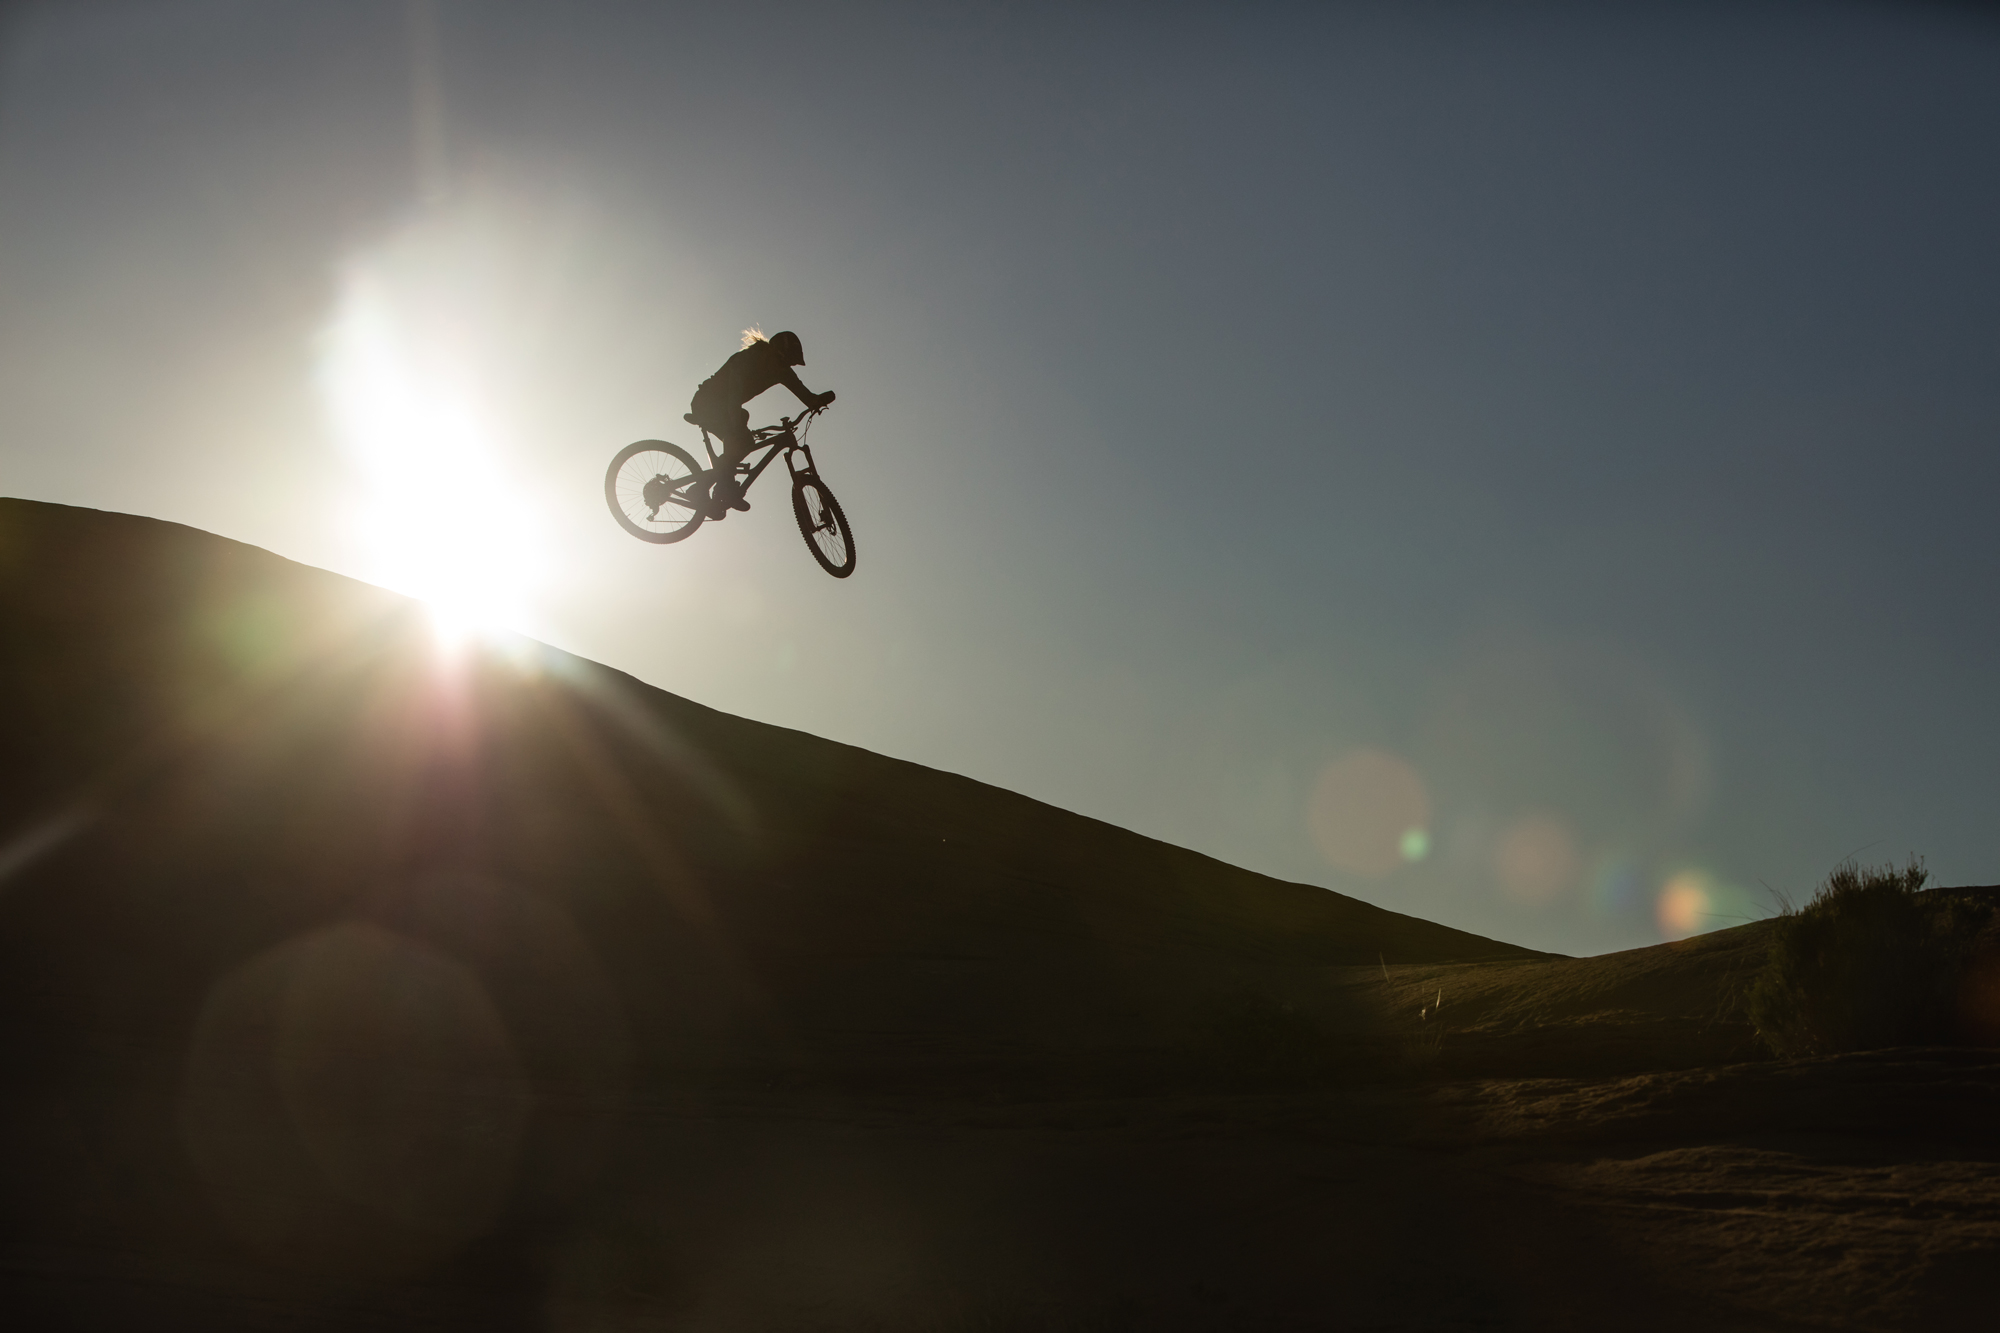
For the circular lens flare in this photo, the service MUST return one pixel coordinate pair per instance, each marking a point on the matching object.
(1536, 860)
(1369, 813)
(1685, 904)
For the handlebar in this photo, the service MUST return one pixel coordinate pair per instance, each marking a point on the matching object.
(789, 422)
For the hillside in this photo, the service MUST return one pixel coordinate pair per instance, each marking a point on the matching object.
(247, 748)
(345, 986)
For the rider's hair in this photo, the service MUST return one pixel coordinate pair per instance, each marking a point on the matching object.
(753, 334)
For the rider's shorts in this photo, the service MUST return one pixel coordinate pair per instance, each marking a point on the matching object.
(726, 419)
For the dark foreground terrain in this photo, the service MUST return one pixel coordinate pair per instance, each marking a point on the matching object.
(344, 987)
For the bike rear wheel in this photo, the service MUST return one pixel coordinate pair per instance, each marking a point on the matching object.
(823, 525)
(646, 487)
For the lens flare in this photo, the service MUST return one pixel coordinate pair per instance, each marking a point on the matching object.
(1536, 860)
(1693, 901)
(1684, 904)
(1369, 813)
(1617, 884)
(352, 1101)
(439, 518)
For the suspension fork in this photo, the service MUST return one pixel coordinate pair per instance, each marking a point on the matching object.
(793, 450)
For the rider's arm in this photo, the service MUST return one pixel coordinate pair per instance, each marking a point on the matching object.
(789, 378)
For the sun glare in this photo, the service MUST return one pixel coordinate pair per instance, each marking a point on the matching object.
(438, 517)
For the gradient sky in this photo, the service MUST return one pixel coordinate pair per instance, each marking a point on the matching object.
(1528, 466)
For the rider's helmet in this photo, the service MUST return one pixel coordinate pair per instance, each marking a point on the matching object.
(787, 345)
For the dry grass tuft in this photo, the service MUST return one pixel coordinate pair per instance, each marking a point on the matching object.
(1870, 962)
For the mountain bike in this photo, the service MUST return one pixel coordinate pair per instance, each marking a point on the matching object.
(658, 494)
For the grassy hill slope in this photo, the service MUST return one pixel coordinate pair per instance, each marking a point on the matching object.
(344, 985)
(215, 749)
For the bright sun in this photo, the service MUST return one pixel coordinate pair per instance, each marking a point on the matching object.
(438, 517)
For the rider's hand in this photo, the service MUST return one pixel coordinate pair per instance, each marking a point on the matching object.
(825, 398)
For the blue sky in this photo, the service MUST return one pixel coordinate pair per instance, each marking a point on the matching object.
(1525, 465)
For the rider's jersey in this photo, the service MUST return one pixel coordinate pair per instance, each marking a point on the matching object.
(747, 374)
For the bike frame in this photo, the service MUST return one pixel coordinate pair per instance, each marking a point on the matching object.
(781, 438)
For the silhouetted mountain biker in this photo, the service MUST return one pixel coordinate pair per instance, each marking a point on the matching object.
(718, 403)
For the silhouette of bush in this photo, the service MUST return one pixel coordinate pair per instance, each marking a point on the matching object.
(1870, 962)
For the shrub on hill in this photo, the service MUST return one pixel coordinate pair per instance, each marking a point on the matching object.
(1872, 961)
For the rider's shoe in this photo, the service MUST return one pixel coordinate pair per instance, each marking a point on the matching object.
(728, 493)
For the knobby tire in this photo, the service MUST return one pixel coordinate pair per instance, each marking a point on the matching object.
(823, 524)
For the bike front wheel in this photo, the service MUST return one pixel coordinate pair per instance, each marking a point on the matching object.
(652, 491)
(823, 525)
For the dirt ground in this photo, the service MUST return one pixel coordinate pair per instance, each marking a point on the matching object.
(1819, 1194)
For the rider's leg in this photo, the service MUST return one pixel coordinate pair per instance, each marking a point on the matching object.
(734, 431)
